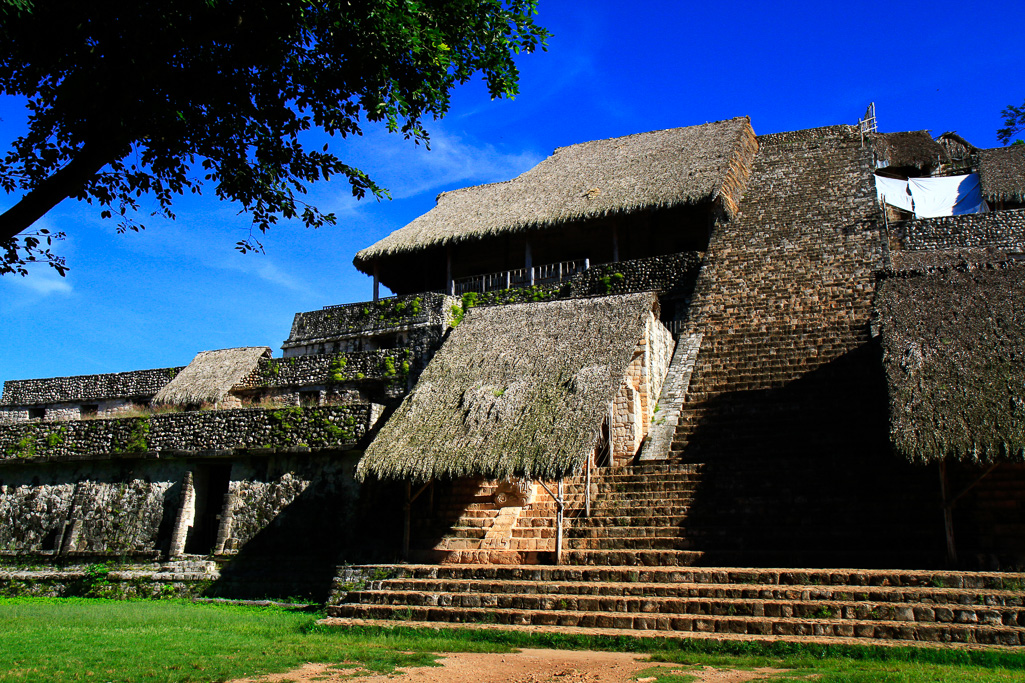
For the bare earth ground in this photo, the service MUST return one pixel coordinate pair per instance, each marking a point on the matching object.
(525, 666)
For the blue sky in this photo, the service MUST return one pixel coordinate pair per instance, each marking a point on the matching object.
(157, 298)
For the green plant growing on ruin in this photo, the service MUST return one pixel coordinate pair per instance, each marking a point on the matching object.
(415, 306)
(24, 448)
(468, 301)
(54, 439)
(336, 371)
(137, 439)
(388, 367)
(405, 367)
(498, 392)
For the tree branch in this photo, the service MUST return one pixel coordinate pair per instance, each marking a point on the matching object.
(56, 188)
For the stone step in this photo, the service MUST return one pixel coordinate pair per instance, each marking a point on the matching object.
(607, 544)
(720, 575)
(925, 595)
(634, 557)
(634, 621)
(797, 608)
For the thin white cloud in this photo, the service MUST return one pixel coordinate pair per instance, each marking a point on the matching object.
(406, 169)
(41, 281)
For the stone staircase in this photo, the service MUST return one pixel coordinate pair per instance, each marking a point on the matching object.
(936, 607)
(635, 565)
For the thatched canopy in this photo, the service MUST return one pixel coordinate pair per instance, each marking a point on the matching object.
(1002, 173)
(518, 390)
(954, 354)
(210, 375)
(914, 149)
(660, 169)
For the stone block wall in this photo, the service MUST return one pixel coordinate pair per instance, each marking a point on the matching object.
(999, 229)
(86, 388)
(88, 508)
(366, 326)
(147, 508)
(323, 427)
(634, 404)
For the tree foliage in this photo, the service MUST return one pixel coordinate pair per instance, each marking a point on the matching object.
(162, 97)
(1014, 123)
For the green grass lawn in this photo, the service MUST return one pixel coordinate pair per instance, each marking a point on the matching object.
(100, 640)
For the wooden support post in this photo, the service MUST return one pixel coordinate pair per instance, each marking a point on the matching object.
(450, 285)
(528, 264)
(560, 502)
(948, 516)
(587, 491)
(377, 284)
(405, 527)
(558, 529)
(615, 243)
(410, 497)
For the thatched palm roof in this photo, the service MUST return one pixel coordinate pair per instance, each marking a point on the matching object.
(518, 390)
(954, 354)
(1002, 173)
(210, 375)
(663, 168)
(912, 148)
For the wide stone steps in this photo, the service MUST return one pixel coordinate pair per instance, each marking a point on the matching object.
(706, 624)
(787, 606)
(934, 596)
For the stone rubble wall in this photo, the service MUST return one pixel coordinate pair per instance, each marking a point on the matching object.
(110, 509)
(324, 427)
(671, 274)
(86, 388)
(70, 411)
(91, 507)
(999, 229)
(313, 329)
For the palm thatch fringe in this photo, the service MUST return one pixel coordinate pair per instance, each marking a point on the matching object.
(210, 375)
(954, 354)
(912, 148)
(659, 169)
(1002, 173)
(518, 390)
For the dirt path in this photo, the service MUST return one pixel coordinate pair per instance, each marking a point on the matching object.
(526, 666)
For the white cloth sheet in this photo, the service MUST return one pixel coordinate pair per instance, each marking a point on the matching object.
(894, 191)
(950, 196)
(933, 197)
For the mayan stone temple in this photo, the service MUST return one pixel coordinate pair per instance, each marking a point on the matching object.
(689, 380)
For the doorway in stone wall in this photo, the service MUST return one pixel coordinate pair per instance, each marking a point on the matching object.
(210, 483)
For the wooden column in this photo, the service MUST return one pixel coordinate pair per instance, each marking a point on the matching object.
(529, 263)
(377, 283)
(450, 285)
(406, 523)
(560, 503)
(948, 515)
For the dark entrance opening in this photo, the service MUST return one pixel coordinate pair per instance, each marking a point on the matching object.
(211, 486)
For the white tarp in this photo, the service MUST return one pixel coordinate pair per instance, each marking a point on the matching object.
(950, 196)
(932, 197)
(894, 191)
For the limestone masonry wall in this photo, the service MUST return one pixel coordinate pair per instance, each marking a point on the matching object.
(285, 503)
(367, 319)
(86, 387)
(328, 368)
(327, 427)
(1000, 229)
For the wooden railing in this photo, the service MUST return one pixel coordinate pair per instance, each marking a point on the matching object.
(547, 274)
